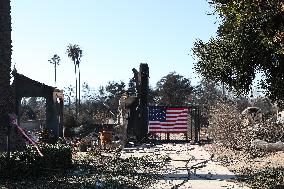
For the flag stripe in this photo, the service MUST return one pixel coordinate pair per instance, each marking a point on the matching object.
(175, 119)
(179, 115)
(170, 123)
(168, 127)
(167, 130)
(163, 120)
(177, 109)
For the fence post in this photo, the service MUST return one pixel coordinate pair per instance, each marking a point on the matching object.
(197, 126)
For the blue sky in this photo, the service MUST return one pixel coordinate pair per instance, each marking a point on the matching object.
(115, 36)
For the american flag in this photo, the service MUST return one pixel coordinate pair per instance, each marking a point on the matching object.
(167, 119)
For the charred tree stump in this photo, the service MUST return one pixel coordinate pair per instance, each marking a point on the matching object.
(138, 119)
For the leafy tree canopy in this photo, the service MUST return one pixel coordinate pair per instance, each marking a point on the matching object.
(75, 53)
(206, 93)
(132, 91)
(249, 40)
(109, 96)
(173, 89)
(115, 89)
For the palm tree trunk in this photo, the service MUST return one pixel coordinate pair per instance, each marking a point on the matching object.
(6, 95)
(76, 97)
(76, 103)
(55, 73)
(79, 91)
(5, 67)
(5, 57)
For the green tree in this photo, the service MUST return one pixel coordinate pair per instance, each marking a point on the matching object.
(152, 96)
(102, 104)
(249, 40)
(33, 108)
(114, 91)
(206, 93)
(173, 89)
(88, 92)
(69, 98)
(131, 90)
(75, 53)
(28, 109)
(93, 108)
(55, 61)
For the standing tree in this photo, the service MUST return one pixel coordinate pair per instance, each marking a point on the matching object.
(78, 64)
(75, 53)
(55, 61)
(207, 93)
(69, 93)
(114, 91)
(131, 90)
(173, 89)
(5, 57)
(15, 141)
(249, 41)
(5, 68)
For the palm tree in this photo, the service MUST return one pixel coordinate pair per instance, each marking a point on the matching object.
(75, 53)
(6, 97)
(5, 57)
(55, 60)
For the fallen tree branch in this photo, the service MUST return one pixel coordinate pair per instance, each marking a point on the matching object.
(266, 146)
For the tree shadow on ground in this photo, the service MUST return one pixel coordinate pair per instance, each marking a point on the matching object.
(192, 176)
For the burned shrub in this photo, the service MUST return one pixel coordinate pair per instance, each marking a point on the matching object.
(227, 128)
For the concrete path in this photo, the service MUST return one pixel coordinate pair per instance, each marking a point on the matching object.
(189, 166)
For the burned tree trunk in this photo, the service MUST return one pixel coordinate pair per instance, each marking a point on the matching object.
(138, 120)
(143, 97)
